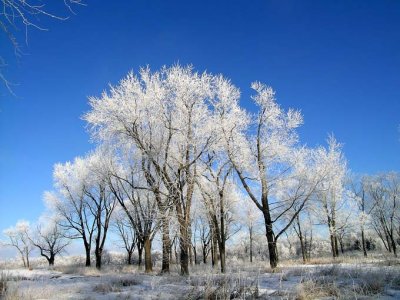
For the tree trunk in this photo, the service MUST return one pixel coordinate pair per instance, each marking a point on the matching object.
(140, 253)
(308, 247)
(332, 236)
(336, 245)
(364, 247)
(222, 238)
(301, 239)
(51, 260)
(98, 259)
(341, 245)
(87, 252)
(394, 247)
(190, 245)
(221, 245)
(28, 264)
(176, 255)
(251, 244)
(129, 260)
(214, 249)
(332, 245)
(196, 262)
(147, 255)
(166, 246)
(204, 249)
(184, 257)
(272, 249)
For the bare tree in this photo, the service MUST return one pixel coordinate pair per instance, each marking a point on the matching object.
(50, 240)
(71, 204)
(126, 232)
(276, 173)
(18, 237)
(219, 197)
(359, 194)
(167, 117)
(385, 192)
(139, 205)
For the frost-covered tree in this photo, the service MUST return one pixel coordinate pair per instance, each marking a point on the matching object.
(384, 191)
(359, 195)
(84, 201)
(126, 232)
(303, 228)
(168, 117)
(18, 237)
(128, 184)
(99, 197)
(70, 203)
(220, 197)
(251, 220)
(49, 238)
(332, 196)
(273, 169)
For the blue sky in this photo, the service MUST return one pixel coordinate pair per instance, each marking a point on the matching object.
(337, 61)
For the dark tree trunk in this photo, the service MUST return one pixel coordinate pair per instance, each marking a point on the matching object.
(364, 246)
(129, 260)
(272, 248)
(222, 238)
(214, 249)
(51, 260)
(140, 253)
(301, 238)
(204, 250)
(98, 259)
(147, 255)
(341, 245)
(394, 247)
(184, 257)
(190, 246)
(251, 244)
(332, 238)
(87, 252)
(221, 246)
(166, 246)
(336, 246)
(196, 262)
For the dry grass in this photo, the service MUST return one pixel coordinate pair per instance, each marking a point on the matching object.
(225, 287)
(115, 285)
(314, 289)
(346, 283)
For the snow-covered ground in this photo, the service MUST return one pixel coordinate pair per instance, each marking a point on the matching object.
(358, 280)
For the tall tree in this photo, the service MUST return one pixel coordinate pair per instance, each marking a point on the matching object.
(384, 190)
(70, 203)
(273, 169)
(359, 194)
(331, 197)
(167, 116)
(100, 199)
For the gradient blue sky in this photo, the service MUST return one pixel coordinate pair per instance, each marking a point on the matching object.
(337, 61)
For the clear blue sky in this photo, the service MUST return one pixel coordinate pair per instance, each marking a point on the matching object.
(337, 61)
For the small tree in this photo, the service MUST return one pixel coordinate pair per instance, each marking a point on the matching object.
(126, 232)
(50, 240)
(18, 237)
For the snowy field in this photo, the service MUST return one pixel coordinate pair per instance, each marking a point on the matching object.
(321, 279)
